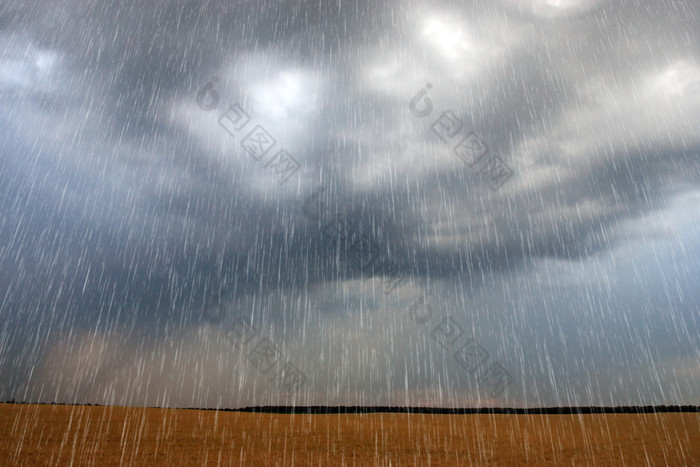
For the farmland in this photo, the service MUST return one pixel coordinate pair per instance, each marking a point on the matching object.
(85, 435)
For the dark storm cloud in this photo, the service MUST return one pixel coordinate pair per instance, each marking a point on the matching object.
(144, 211)
(144, 55)
(136, 57)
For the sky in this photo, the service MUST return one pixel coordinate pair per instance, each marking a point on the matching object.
(452, 203)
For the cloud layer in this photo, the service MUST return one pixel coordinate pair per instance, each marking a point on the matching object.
(128, 210)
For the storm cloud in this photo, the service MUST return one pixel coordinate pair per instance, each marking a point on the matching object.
(137, 229)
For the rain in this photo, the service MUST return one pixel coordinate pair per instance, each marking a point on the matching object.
(459, 209)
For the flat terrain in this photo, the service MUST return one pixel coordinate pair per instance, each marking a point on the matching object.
(74, 435)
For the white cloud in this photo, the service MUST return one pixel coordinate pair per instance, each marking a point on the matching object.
(557, 8)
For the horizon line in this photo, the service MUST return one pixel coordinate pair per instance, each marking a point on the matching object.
(359, 409)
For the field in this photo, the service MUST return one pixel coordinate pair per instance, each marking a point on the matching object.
(65, 435)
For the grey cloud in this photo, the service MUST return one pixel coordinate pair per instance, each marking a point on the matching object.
(127, 191)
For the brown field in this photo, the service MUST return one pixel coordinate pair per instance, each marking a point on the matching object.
(65, 435)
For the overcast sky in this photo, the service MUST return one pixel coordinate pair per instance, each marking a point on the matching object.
(139, 236)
